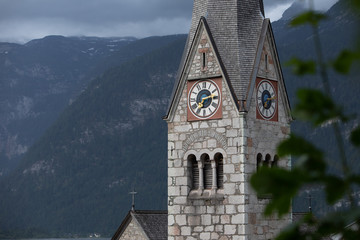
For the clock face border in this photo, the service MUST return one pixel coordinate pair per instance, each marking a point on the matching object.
(274, 84)
(218, 112)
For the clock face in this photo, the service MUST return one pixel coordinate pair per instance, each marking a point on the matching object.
(266, 99)
(204, 99)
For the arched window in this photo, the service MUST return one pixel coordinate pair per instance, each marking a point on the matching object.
(219, 170)
(194, 171)
(207, 171)
(258, 161)
(267, 160)
(275, 161)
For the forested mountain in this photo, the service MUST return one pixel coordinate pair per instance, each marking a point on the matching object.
(40, 78)
(75, 179)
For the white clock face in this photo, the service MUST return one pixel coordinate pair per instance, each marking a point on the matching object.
(204, 99)
(266, 99)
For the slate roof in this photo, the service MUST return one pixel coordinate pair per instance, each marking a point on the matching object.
(236, 27)
(153, 223)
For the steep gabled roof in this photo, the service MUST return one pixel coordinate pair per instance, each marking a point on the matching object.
(182, 75)
(235, 27)
(153, 223)
(267, 31)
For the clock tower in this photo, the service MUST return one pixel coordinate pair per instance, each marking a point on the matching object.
(228, 111)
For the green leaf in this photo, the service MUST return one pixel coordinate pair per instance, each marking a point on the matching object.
(355, 137)
(291, 232)
(335, 188)
(301, 67)
(345, 60)
(311, 159)
(355, 3)
(316, 107)
(281, 184)
(310, 17)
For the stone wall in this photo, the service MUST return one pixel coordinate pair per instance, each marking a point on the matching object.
(133, 231)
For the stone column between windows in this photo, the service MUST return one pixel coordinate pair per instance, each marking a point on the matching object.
(214, 180)
(201, 175)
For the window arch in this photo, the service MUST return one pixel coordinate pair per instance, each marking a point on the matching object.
(208, 180)
(194, 171)
(258, 161)
(275, 161)
(205, 172)
(220, 170)
(267, 160)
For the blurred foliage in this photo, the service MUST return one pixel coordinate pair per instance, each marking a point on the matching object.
(318, 108)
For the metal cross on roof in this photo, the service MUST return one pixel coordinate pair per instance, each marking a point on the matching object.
(133, 193)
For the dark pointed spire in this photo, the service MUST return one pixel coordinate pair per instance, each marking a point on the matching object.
(262, 8)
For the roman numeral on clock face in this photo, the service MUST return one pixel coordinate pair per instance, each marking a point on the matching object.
(204, 99)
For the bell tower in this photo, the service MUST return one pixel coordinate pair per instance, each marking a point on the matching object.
(228, 111)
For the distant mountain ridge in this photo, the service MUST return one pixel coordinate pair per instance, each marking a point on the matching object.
(40, 78)
(75, 179)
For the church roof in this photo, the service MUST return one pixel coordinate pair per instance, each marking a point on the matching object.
(236, 27)
(153, 223)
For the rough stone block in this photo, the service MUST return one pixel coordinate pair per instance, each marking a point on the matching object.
(205, 235)
(194, 221)
(228, 168)
(185, 231)
(198, 229)
(180, 200)
(229, 188)
(181, 220)
(171, 220)
(237, 219)
(176, 172)
(206, 219)
(225, 219)
(230, 229)
(173, 191)
(174, 230)
(181, 181)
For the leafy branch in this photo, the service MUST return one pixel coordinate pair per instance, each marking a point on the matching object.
(318, 108)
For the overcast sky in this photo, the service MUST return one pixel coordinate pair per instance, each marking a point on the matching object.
(23, 20)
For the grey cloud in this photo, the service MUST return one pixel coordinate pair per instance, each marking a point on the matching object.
(23, 20)
(95, 11)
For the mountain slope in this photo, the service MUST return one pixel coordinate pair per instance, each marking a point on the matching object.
(76, 178)
(39, 79)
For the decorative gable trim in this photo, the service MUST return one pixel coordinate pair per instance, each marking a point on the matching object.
(268, 32)
(183, 77)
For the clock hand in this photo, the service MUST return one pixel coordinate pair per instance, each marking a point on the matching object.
(201, 104)
(269, 99)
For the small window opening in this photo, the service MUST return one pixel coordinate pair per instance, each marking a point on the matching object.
(207, 172)
(267, 160)
(194, 172)
(258, 161)
(220, 170)
(266, 61)
(203, 60)
(274, 163)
